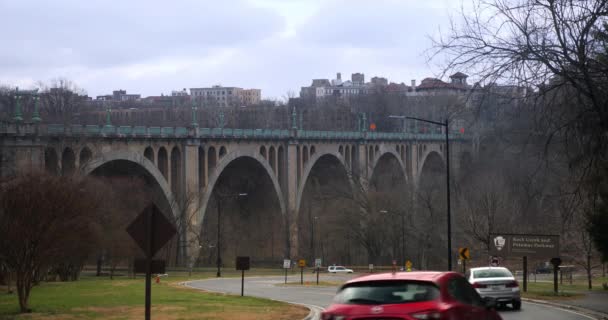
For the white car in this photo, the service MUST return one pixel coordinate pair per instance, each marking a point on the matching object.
(495, 282)
(338, 269)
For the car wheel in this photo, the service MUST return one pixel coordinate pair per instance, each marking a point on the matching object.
(516, 305)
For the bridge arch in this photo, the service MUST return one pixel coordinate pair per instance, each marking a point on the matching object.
(51, 161)
(144, 166)
(219, 169)
(308, 168)
(431, 160)
(163, 162)
(176, 170)
(68, 161)
(85, 156)
(149, 153)
(381, 157)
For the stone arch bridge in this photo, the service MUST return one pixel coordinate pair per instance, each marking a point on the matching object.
(190, 160)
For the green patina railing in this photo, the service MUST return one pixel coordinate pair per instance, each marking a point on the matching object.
(109, 130)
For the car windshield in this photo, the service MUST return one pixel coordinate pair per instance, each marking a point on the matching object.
(387, 292)
(492, 273)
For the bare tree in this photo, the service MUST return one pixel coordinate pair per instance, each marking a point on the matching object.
(61, 100)
(43, 220)
(554, 48)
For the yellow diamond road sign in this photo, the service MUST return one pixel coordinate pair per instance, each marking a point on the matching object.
(302, 263)
(464, 254)
(408, 264)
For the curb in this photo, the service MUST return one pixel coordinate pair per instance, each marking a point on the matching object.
(313, 314)
(588, 312)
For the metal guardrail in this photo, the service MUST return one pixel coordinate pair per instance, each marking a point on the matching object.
(97, 130)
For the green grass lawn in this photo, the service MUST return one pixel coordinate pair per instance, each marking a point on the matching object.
(123, 298)
(544, 290)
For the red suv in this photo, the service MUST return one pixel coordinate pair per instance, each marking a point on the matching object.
(410, 295)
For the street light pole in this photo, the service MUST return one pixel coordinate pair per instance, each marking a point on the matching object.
(403, 237)
(219, 243)
(444, 124)
(312, 238)
(219, 230)
(447, 169)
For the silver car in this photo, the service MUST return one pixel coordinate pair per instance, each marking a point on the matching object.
(496, 282)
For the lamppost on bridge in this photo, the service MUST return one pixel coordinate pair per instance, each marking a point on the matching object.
(446, 126)
(219, 198)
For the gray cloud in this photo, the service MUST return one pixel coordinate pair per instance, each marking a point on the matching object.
(378, 25)
(104, 33)
(150, 47)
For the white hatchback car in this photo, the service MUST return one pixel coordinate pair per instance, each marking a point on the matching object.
(495, 282)
(338, 269)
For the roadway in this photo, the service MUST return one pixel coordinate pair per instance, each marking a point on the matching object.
(318, 298)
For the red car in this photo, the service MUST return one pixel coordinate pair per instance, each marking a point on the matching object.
(410, 295)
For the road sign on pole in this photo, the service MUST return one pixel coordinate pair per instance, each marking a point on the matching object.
(494, 261)
(150, 230)
(317, 266)
(318, 262)
(464, 253)
(286, 265)
(408, 266)
(302, 264)
(242, 263)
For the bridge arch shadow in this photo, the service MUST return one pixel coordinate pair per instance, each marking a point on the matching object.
(336, 157)
(253, 224)
(430, 159)
(389, 160)
(221, 167)
(324, 203)
(129, 164)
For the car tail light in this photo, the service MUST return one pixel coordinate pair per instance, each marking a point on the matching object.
(430, 315)
(478, 285)
(512, 284)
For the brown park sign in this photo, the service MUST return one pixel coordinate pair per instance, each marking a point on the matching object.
(519, 245)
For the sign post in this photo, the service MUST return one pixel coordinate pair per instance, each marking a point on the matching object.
(242, 263)
(150, 230)
(286, 265)
(318, 266)
(408, 266)
(302, 264)
(555, 262)
(371, 268)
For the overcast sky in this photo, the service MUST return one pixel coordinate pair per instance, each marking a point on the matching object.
(153, 46)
